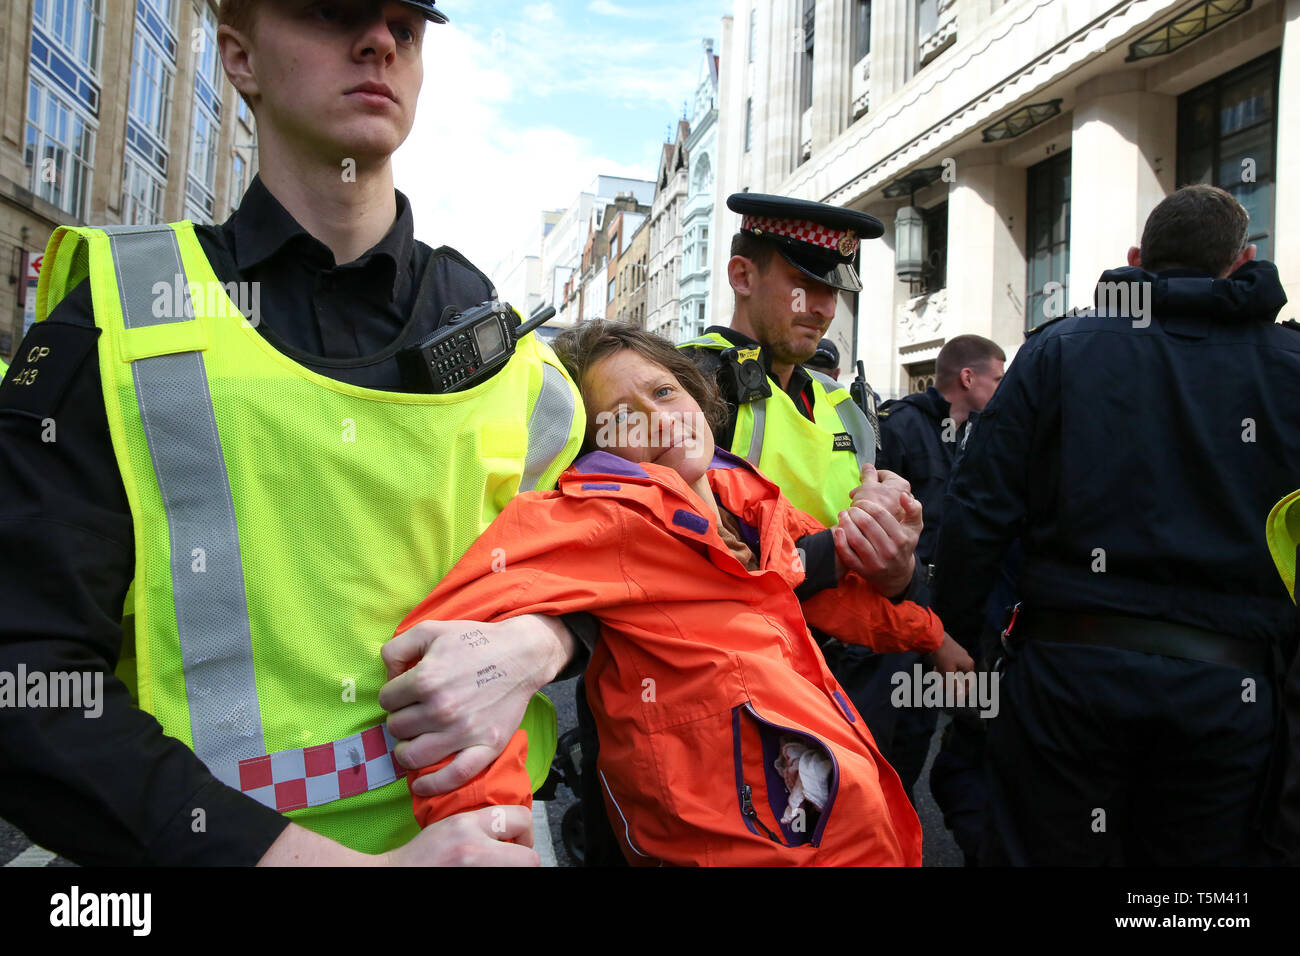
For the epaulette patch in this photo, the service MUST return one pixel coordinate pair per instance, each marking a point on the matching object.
(45, 367)
(1057, 318)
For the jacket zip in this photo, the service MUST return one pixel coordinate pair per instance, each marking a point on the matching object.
(747, 808)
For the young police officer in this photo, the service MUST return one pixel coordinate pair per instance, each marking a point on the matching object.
(273, 495)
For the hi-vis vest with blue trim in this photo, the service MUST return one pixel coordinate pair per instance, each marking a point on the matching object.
(285, 523)
(813, 462)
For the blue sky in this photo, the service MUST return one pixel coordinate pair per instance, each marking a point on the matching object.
(524, 102)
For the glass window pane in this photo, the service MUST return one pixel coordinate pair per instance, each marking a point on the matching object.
(1255, 144)
(1246, 102)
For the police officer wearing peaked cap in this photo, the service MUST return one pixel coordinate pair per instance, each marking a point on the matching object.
(790, 260)
(94, 519)
(818, 239)
(428, 9)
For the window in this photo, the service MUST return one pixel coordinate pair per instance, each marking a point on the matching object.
(59, 149)
(245, 117)
(1227, 137)
(753, 33)
(861, 29)
(161, 7)
(203, 168)
(704, 247)
(237, 185)
(1048, 243)
(75, 25)
(200, 185)
(151, 85)
(749, 122)
(208, 68)
(703, 178)
(806, 72)
(142, 189)
(920, 376)
(935, 276)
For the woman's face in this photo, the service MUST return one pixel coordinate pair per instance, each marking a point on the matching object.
(640, 412)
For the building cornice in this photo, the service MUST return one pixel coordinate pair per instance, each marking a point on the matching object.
(836, 174)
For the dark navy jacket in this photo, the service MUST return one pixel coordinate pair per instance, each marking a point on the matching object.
(913, 430)
(1137, 464)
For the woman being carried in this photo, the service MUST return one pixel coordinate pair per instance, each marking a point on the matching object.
(723, 737)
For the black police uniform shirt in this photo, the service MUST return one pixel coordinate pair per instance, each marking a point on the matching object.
(115, 790)
(1137, 464)
(919, 441)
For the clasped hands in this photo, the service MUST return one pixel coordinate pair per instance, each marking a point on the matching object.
(876, 538)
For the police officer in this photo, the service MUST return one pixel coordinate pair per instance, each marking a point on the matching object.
(920, 434)
(224, 516)
(825, 360)
(789, 261)
(1136, 452)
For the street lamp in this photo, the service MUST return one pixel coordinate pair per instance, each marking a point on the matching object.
(909, 243)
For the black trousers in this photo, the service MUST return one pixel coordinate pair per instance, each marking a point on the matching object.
(957, 781)
(902, 734)
(1110, 757)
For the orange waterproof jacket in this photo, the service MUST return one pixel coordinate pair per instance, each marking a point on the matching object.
(702, 667)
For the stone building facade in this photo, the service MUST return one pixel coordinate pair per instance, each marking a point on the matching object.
(111, 113)
(1018, 145)
(664, 292)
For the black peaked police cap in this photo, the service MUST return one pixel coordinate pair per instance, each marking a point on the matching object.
(428, 9)
(818, 239)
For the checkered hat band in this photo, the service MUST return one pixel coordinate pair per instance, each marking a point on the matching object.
(810, 232)
(312, 776)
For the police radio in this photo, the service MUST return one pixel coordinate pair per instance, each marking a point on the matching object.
(742, 376)
(472, 347)
(865, 399)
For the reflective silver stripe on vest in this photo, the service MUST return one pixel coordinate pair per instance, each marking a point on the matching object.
(207, 572)
(759, 409)
(702, 342)
(855, 422)
(548, 426)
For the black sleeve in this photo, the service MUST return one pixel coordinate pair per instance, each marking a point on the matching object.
(987, 500)
(105, 788)
(585, 629)
(819, 564)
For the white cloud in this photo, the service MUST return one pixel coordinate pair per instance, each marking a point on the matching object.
(539, 12)
(608, 9)
(474, 182)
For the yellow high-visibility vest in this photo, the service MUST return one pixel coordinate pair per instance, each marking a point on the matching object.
(1282, 531)
(802, 456)
(285, 523)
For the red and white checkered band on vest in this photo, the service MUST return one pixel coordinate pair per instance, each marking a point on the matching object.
(843, 241)
(311, 776)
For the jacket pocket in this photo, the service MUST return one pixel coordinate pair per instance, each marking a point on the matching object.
(761, 791)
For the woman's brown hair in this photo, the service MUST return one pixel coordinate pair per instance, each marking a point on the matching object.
(582, 347)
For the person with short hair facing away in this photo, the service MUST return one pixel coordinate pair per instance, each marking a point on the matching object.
(1136, 451)
(920, 435)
